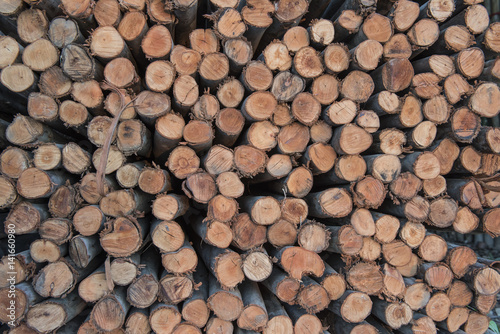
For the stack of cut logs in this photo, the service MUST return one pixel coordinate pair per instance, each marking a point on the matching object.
(228, 166)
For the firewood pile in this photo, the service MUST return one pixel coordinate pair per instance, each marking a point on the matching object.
(224, 166)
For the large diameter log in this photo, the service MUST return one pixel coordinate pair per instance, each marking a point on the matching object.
(15, 301)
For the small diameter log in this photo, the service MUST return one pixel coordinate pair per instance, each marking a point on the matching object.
(110, 311)
(264, 210)
(13, 161)
(313, 236)
(79, 65)
(239, 52)
(185, 60)
(257, 17)
(124, 202)
(226, 305)
(157, 42)
(437, 275)
(278, 166)
(88, 220)
(254, 313)
(107, 44)
(417, 209)
(341, 112)
(348, 168)
(366, 55)
(484, 304)
(366, 277)
(94, 286)
(214, 233)
(17, 133)
(159, 76)
(230, 185)
(229, 123)
(124, 270)
(459, 294)
(217, 325)
(42, 250)
(246, 233)
(325, 89)
(353, 306)
(219, 159)
(53, 313)
(59, 278)
(368, 192)
(397, 253)
(490, 222)
(279, 321)
(351, 139)
(225, 265)
(312, 296)
(336, 58)
(169, 207)
(333, 202)
(257, 265)
(154, 181)
(434, 187)
(107, 13)
(204, 41)
(298, 183)
(22, 296)
(143, 291)
(371, 250)
(168, 133)
(120, 229)
(433, 248)
(344, 327)
(88, 188)
(249, 161)
(182, 261)
(457, 317)
(412, 233)
(406, 186)
(137, 321)
(282, 233)
(132, 137)
(163, 318)
(294, 210)
(29, 32)
(303, 322)
(200, 186)
(150, 106)
(113, 104)
(460, 259)
(484, 280)
(293, 138)
(286, 86)
(333, 282)
(347, 23)
(174, 289)
(282, 286)
(222, 209)
(10, 51)
(195, 309)
(185, 93)
(298, 262)
(394, 315)
(417, 294)
(83, 250)
(206, 108)
(438, 307)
